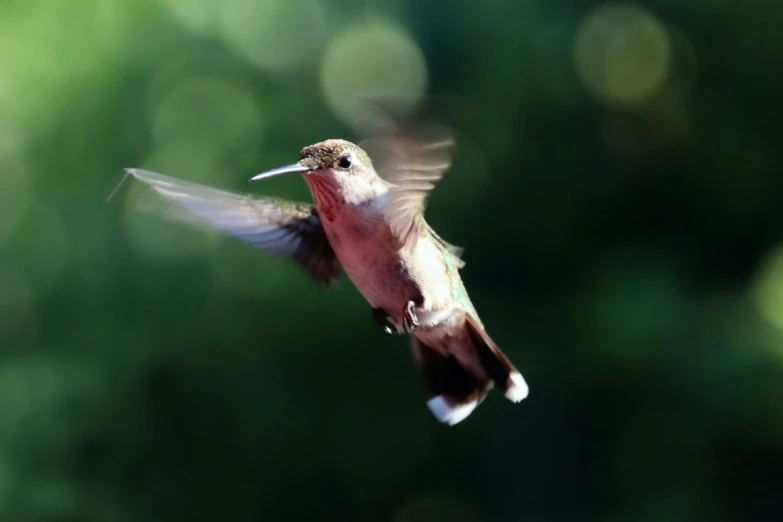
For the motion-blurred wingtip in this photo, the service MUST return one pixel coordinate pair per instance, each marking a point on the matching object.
(122, 181)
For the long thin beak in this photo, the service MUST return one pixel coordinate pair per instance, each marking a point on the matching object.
(294, 168)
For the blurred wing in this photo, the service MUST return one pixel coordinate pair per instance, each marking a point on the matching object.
(281, 227)
(412, 166)
(411, 149)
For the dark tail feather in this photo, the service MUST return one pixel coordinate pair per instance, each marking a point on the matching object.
(454, 390)
(497, 365)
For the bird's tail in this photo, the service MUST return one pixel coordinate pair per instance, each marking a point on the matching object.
(458, 377)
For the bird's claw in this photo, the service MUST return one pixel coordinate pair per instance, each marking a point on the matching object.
(409, 320)
(381, 318)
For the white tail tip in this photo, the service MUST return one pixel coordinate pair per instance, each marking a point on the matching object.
(518, 389)
(450, 415)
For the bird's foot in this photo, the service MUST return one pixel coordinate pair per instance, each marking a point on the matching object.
(409, 320)
(381, 318)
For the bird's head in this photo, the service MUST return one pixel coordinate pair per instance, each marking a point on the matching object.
(339, 161)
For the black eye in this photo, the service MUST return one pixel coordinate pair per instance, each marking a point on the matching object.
(345, 162)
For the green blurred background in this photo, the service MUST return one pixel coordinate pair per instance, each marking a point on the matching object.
(617, 186)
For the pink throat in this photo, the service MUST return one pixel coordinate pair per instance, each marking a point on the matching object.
(327, 199)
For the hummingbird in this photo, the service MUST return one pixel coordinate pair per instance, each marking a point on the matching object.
(367, 220)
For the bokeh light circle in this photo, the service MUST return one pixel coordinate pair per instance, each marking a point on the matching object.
(622, 53)
(112, 26)
(768, 289)
(376, 58)
(207, 114)
(273, 34)
(196, 15)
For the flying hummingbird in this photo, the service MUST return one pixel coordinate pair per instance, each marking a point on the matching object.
(368, 220)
